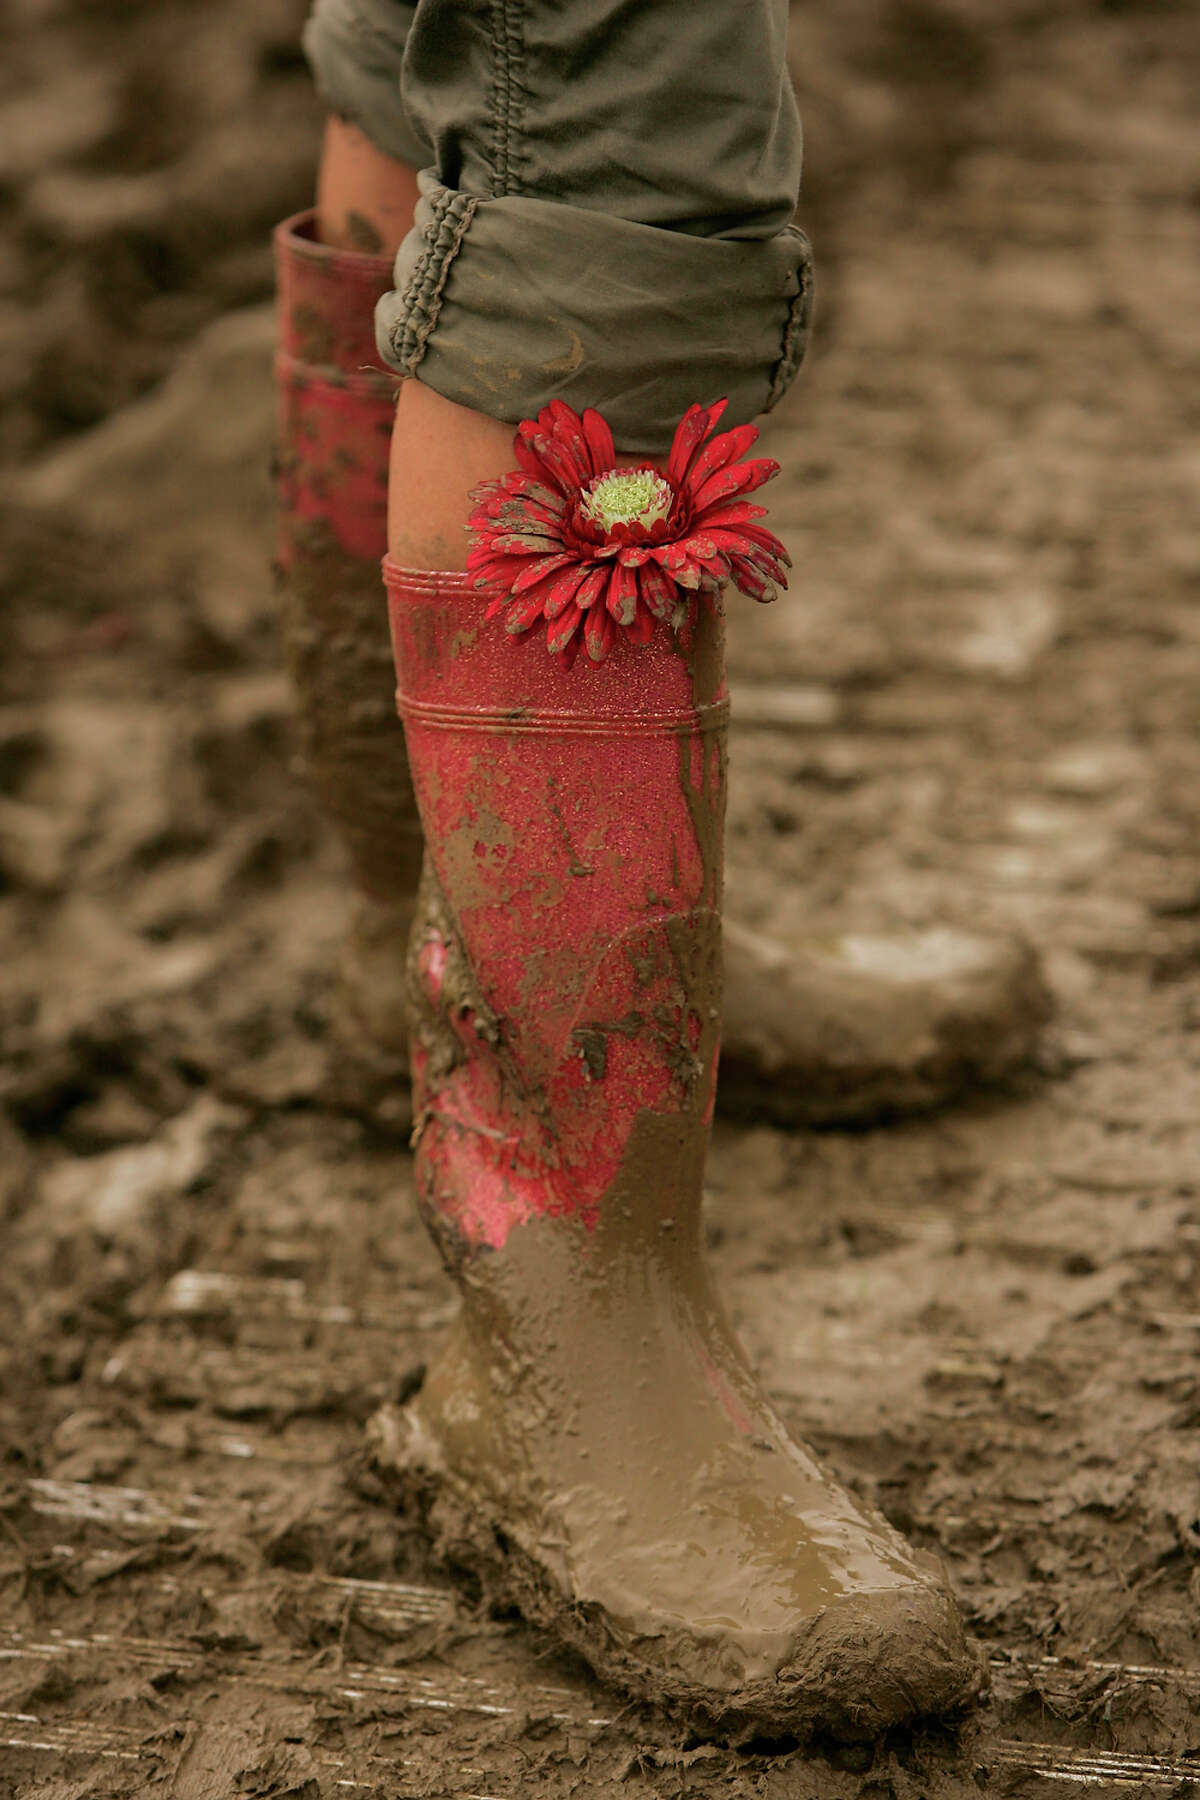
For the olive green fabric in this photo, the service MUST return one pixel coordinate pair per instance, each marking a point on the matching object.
(606, 204)
(355, 49)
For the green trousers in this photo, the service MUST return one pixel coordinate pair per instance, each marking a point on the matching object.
(607, 193)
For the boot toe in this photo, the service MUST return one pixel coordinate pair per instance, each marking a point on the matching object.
(880, 1658)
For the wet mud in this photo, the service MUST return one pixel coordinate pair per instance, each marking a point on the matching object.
(975, 711)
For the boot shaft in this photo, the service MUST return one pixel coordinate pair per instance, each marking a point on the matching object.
(336, 399)
(567, 970)
(335, 419)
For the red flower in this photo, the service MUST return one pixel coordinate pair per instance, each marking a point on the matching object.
(594, 549)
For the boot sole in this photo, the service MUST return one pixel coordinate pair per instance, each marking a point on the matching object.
(843, 1683)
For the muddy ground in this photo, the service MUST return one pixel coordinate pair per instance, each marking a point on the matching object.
(978, 706)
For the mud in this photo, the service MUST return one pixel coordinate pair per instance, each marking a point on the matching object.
(350, 740)
(975, 709)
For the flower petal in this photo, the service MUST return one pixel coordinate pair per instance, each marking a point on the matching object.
(540, 495)
(658, 592)
(599, 633)
(621, 599)
(734, 512)
(494, 571)
(592, 586)
(750, 580)
(740, 545)
(523, 612)
(599, 441)
(626, 532)
(739, 478)
(767, 565)
(567, 431)
(520, 511)
(516, 489)
(485, 490)
(530, 462)
(562, 418)
(558, 453)
(547, 465)
(696, 544)
(705, 552)
(564, 588)
(679, 565)
(725, 448)
(689, 435)
(561, 630)
(524, 543)
(716, 570)
(537, 569)
(768, 542)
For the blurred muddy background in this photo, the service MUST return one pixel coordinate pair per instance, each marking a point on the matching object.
(976, 713)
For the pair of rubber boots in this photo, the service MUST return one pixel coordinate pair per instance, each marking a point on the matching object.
(592, 1443)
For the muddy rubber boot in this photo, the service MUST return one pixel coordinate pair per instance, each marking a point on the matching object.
(592, 1443)
(336, 403)
(855, 1028)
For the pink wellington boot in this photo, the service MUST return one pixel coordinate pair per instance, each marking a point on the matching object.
(592, 1443)
(336, 403)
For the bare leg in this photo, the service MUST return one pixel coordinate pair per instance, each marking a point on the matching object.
(440, 451)
(365, 199)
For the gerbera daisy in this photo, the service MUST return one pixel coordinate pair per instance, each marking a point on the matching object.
(594, 549)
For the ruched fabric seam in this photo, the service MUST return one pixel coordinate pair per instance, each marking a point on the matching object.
(507, 100)
(422, 298)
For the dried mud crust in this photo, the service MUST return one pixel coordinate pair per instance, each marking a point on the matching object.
(834, 1686)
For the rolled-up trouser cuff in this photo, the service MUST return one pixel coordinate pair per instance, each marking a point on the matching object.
(506, 304)
(355, 49)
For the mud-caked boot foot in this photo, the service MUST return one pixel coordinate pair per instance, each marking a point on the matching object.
(594, 1451)
(858, 1027)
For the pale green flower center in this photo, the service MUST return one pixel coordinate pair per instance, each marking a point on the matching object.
(628, 497)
